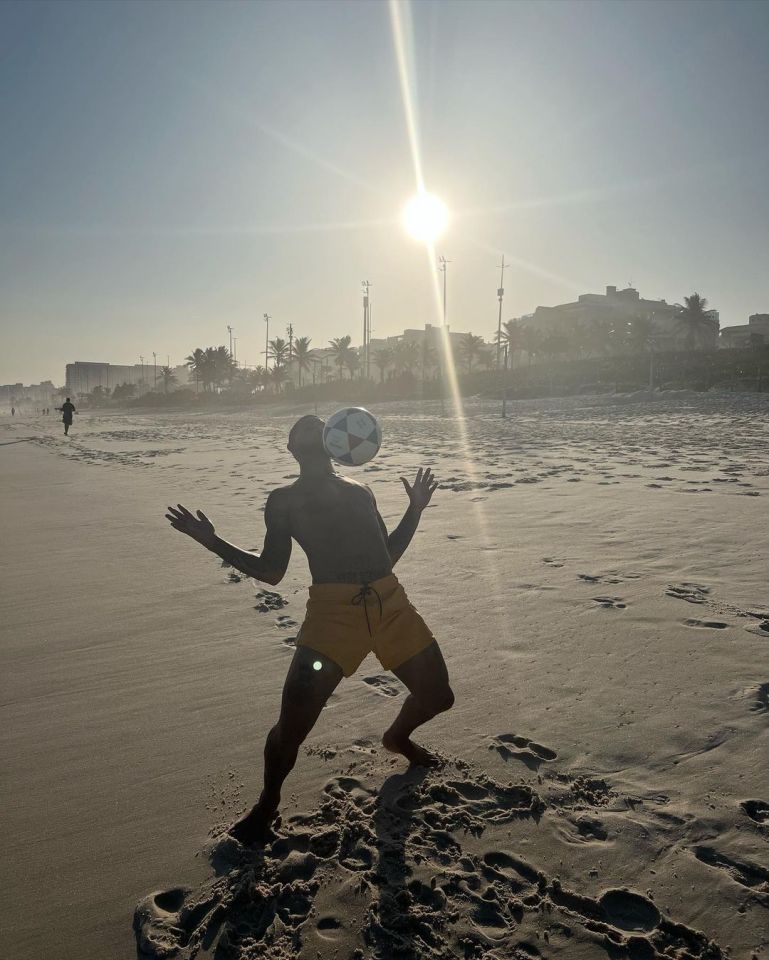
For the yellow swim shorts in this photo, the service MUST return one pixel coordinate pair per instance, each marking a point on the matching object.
(347, 621)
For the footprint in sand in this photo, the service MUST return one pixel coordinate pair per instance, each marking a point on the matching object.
(761, 702)
(610, 603)
(383, 686)
(583, 829)
(289, 642)
(691, 592)
(553, 561)
(629, 911)
(168, 920)
(285, 622)
(503, 865)
(757, 810)
(712, 624)
(751, 875)
(267, 600)
(328, 927)
(512, 747)
(469, 804)
(761, 629)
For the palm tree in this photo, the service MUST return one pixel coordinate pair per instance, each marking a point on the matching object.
(257, 377)
(597, 336)
(531, 342)
(383, 359)
(470, 347)
(554, 344)
(428, 356)
(302, 355)
(487, 358)
(641, 333)
(196, 361)
(341, 348)
(512, 338)
(277, 377)
(219, 365)
(352, 362)
(406, 356)
(278, 352)
(696, 320)
(169, 378)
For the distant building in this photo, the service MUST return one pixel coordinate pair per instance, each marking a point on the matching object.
(41, 394)
(754, 332)
(82, 376)
(430, 334)
(625, 306)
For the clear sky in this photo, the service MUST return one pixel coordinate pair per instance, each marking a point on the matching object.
(169, 168)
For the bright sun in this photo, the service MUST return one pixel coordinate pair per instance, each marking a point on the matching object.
(425, 217)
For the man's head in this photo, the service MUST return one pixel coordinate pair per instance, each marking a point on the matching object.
(305, 439)
(67, 399)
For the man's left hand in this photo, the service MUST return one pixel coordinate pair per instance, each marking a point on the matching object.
(420, 493)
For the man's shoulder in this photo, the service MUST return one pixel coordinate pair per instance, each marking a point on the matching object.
(280, 498)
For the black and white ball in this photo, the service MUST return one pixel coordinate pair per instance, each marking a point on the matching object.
(352, 436)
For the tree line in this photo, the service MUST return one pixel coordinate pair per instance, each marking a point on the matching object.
(211, 369)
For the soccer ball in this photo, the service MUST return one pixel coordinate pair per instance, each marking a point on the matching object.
(352, 436)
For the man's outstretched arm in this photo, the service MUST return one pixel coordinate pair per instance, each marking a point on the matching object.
(269, 566)
(420, 495)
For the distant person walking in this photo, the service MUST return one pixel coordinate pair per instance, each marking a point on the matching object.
(67, 409)
(13, 411)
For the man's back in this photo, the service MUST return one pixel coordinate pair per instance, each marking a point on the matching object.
(334, 520)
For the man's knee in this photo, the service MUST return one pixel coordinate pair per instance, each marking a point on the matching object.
(298, 716)
(442, 699)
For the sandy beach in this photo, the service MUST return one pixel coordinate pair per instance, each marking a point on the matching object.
(596, 573)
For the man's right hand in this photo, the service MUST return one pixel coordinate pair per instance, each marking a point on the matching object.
(199, 528)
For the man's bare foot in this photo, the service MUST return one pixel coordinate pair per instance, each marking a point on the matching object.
(417, 756)
(253, 828)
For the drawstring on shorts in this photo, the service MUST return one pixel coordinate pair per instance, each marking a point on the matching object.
(360, 598)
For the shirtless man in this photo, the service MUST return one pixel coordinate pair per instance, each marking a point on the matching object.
(356, 606)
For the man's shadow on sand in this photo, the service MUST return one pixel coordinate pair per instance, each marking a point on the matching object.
(177, 918)
(393, 927)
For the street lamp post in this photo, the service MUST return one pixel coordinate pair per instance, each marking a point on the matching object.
(444, 333)
(366, 327)
(504, 391)
(500, 295)
(155, 368)
(290, 332)
(267, 343)
(315, 361)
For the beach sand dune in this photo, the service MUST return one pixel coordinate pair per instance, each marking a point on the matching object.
(595, 570)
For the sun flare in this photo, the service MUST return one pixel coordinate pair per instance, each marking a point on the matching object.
(425, 217)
